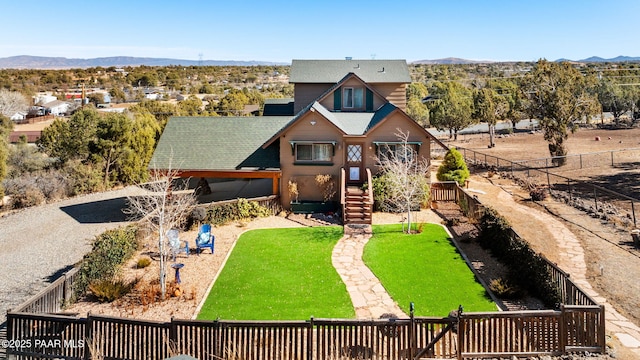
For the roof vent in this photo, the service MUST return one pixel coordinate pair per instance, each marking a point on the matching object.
(382, 70)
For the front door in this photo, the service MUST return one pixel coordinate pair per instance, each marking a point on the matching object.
(354, 163)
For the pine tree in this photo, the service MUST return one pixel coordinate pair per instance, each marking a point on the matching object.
(454, 168)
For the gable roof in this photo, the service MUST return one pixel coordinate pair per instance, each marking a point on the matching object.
(332, 71)
(355, 123)
(218, 143)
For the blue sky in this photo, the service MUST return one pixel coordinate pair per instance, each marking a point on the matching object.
(280, 30)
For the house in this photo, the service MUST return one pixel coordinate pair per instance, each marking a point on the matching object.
(57, 107)
(18, 116)
(344, 112)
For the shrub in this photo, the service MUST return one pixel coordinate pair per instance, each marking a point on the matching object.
(537, 193)
(527, 269)
(143, 263)
(240, 210)
(292, 187)
(381, 194)
(110, 250)
(327, 186)
(505, 289)
(26, 196)
(84, 178)
(453, 168)
(108, 290)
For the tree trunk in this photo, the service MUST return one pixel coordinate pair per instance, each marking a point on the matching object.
(163, 274)
(492, 129)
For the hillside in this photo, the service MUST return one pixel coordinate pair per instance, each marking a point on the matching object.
(41, 62)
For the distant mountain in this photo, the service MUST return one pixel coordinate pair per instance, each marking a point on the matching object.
(451, 60)
(40, 62)
(615, 59)
(592, 59)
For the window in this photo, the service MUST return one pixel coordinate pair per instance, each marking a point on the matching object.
(320, 152)
(353, 98)
(348, 97)
(397, 151)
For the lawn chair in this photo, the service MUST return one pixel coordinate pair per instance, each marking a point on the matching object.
(205, 239)
(174, 243)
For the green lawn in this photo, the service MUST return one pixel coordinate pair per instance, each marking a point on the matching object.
(280, 274)
(425, 269)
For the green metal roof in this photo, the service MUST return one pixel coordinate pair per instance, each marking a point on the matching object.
(218, 143)
(332, 71)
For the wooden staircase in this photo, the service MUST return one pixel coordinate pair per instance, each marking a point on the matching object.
(357, 206)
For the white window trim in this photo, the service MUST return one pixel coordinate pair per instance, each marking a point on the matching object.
(344, 97)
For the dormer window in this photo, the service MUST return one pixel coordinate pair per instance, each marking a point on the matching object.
(353, 98)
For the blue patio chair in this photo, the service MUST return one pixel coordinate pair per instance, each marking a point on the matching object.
(175, 243)
(205, 239)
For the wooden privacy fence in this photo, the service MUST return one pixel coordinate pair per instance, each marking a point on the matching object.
(451, 191)
(116, 338)
(52, 298)
(531, 333)
(579, 325)
(470, 335)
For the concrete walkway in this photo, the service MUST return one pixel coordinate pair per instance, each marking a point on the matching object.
(369, 297)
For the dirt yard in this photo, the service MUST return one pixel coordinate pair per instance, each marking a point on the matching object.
(523, 146)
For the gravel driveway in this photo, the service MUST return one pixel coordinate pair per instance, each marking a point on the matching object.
(38, 244)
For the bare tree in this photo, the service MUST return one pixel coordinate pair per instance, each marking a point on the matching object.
(406, 175)
(166, 205)
(12, 102)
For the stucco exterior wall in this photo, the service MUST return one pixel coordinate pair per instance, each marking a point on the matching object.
(386, 132)
(323, 131)
(304, 174)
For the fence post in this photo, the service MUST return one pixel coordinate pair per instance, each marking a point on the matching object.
(548, 181)
(310, 340)
(580, 161)
(602, 338)
(562, 333)
(461, 334)
(89, 341)
(412, 333)
(173, 336)
(633, 212)
(595, 197)
(569, 185)
(612, 158)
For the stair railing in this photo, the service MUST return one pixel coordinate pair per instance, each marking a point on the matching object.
(370, 186)
(343, 189)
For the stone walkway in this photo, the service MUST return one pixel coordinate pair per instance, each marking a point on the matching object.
(569, 257)
(370, 299)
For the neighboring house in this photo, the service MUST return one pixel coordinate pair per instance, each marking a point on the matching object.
(43, 99)
(344, 113)
(57, 107)
(19, 116)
